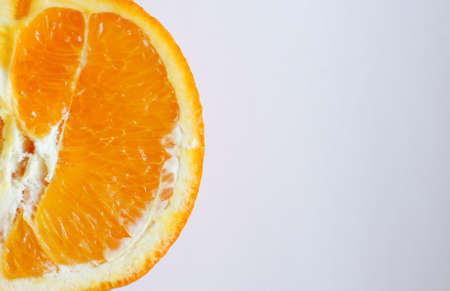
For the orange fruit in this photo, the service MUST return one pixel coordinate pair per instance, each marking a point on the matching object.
(102, 143)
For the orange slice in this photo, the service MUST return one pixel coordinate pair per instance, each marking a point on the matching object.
(102, 143)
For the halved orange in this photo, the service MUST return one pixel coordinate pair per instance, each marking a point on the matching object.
(102, 143)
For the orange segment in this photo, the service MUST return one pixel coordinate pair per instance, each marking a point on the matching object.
(110, 164)
(22, 256)
(45, 62)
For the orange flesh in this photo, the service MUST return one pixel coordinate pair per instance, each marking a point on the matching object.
(23, 7)
(110, 164)
(22, 256)
(44, 66)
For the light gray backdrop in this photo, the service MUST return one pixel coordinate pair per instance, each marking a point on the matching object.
(328, 150)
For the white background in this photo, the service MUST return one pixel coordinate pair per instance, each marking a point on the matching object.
(327, 146)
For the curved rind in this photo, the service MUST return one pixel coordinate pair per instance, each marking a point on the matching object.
(158, 238)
